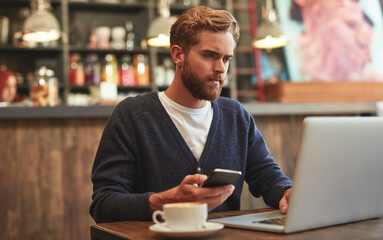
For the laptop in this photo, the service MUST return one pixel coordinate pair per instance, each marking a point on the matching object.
(338, 177)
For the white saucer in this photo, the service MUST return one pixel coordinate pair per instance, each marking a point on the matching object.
(210, 228)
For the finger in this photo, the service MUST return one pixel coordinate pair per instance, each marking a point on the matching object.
(284, 202)
(216, 191)
(194, 179)
(214, 202)
(288, 193)
(283, 205)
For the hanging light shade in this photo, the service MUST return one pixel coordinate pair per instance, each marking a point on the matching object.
(159, 30)
(269, 32)
(41, 25)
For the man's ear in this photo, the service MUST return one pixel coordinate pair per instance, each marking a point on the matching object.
(177, 55)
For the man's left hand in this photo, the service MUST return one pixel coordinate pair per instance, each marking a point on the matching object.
(284, 202)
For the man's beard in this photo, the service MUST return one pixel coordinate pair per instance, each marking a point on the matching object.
(198, 85)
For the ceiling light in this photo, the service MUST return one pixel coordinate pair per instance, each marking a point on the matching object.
(41, 25)
(159, 30)
(269, 32)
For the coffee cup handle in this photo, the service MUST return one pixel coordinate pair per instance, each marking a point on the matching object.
(156, 214)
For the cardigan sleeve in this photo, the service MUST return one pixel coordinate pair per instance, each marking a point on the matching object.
(113, 173)
(263, 175)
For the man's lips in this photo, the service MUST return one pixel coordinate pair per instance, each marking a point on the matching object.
(216, 80)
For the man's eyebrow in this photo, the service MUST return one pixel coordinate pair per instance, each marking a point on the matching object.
(215, 53)
(210, 51)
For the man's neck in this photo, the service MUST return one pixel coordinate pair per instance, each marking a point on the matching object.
(181, 95)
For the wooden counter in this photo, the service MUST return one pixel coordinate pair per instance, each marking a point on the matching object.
(47, 156)
(132, 230)
(256, 109)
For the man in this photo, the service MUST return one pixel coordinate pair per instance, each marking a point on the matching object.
(158, 147)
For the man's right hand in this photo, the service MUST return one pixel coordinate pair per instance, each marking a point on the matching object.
(188, 191)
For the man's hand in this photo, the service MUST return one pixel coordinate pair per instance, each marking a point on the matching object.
(188, 191)
(284, 202)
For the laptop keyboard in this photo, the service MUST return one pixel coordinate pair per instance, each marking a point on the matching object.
(275, 221)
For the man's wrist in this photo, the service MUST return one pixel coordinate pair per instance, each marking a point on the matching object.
(155, 202)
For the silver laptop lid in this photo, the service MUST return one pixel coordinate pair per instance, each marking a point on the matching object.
(339, 172)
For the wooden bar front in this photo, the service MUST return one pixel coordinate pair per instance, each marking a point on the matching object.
(45, 177)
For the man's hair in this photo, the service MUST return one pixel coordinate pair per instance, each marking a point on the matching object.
(184, 32)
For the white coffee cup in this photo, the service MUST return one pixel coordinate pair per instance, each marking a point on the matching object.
(184, 216)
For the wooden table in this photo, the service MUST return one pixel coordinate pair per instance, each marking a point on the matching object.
(369, 229)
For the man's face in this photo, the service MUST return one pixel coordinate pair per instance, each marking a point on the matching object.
(205, 66)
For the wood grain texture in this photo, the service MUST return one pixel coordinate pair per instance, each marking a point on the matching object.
(282, 135)
(289, 92)
(370, 229)
(45, 168)
(45, 182)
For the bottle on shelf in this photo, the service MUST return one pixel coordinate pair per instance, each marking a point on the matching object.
(118, 38)
(126, 71)
(214, 3)
(169, 71)
(109, 70)
(44, 88)
(164, 73)
(4, 30)
(76, 72)
(92, 44)
(141, 69)
(130, 36)
(92, 69)
(129, 1)
(160, 76)
(103, 37)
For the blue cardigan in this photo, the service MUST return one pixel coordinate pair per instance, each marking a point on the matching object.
(142, 152)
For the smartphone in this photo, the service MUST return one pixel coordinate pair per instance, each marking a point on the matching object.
(221, 177)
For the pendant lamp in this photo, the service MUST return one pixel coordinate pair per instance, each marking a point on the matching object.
(159, 30)
(41, 25)
(269, 32)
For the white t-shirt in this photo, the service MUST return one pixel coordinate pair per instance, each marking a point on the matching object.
(193, 124)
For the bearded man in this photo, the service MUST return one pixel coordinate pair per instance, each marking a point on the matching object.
(158, 147)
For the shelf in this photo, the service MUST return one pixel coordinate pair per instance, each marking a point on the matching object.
(134, 88)
(163, 50)
(26, 86)
(247, 93)
(241, 6)
(124, 88)
(106, 51)
(78, 20)
(245, 28)
(10, 48)
(24, 2)
(59, 112)
(107, 6)
(256, 109)
(178, 8)
(244, 71)
(14, 2)
(244, 49)
(292, 92)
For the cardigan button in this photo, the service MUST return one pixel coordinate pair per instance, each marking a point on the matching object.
(199, 170)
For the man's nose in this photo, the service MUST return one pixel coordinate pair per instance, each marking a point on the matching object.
(219, 66)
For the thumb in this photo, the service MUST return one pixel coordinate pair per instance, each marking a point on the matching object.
(194, 179)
